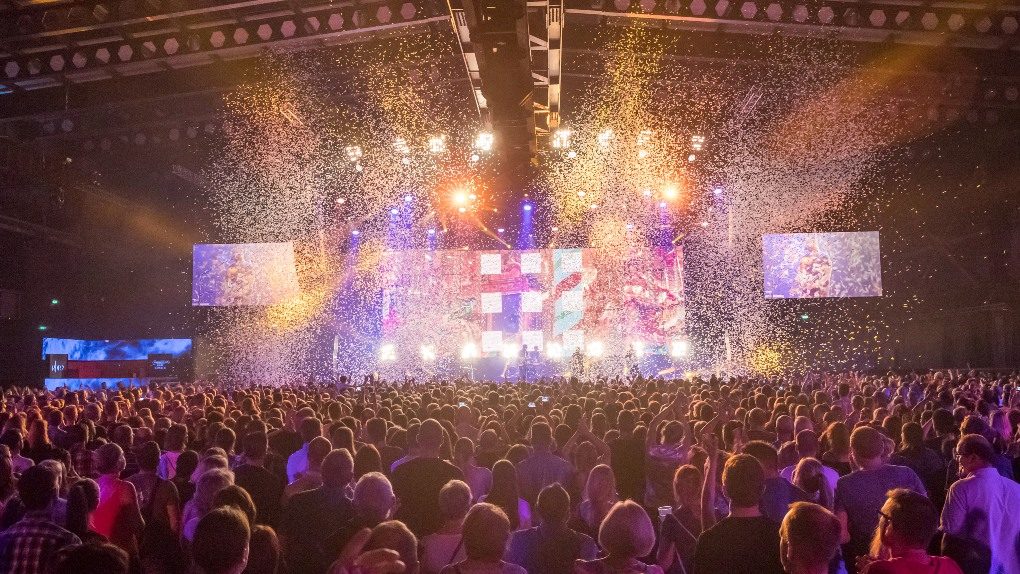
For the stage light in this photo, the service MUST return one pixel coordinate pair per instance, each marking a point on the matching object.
(358, 167)
(400, 146)
(561, 139)
(54, 301)
(43, 327)
(593, 206)
(644, 137)
(662, 204)
(387, 353)
(697, 142)
(554, 351)
(605, 137)
(469, 351)
(704, 224)
(670, 192)
(472, 197)
(341, 200)
(596, 349)
(803, 316)
(408, 199)
(437, 144)
(355, 233)
(354, 153)
(647, 193)
(462, 209)
(484, 141)
(717, 191)
(630, 226)
(692, 157)
(460, 198)
(680, 348)
(639, 348)
(394, 211)
(405, 160)
(581, 194)
(500, 230)
(510, 351)
(571, 154)
(475, 157)
(554, 228)
(642, 153)
(428, 353)
(527, 207)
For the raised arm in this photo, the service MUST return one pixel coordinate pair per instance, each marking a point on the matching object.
(710, 443)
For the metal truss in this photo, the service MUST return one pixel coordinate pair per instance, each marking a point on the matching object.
(101, 40)
(992, 26)
(545, 19)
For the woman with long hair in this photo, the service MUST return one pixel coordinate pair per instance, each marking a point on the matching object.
(8, 484)
(837, 457)
(678, 535)
(477, 477)
(118, 516)
(599, 497)
(39, 446)
(504, 494)
(82, 501)
(808, 475)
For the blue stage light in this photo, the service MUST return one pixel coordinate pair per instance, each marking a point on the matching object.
(355, 232)
(408, 199)
(394, 211)
(527, 207)
(432, 231)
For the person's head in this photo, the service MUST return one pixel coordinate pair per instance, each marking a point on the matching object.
(486, 532)
(867, 445)
(220, 545)
(187, 462)
(337, 468)
(626, 531)
(265, 553)
(454, 500)
(838, 436)
(255, 445)
(309, 428)
(912, 436)
(687, 483)
(90, 559)
(373, 498)
(176, 438)
(908, 521)
(807, 443)
(110, 459)
(601, 484)
(463, 450)
(766, 454)
(430, 437)
(943, 421)
(318, 448)
(808, 538)
(808, 475)
(395, 535)
(367, 460)
(236, 497)
(210, 483)
(743, 481)
(148, 456)
(541, 435)
(974, 452)
(13, 440)
(554, 505)
(37, 488)
(375, 429)
(124, 435)
(82, 499)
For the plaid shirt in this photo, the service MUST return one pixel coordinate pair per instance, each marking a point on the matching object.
(28, 546)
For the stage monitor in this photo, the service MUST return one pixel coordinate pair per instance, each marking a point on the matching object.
(114, 350)
(243, 274)
(816, 265)
(491, 303)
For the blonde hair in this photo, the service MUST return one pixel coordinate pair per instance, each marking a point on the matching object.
(601, 484)
(627, 531)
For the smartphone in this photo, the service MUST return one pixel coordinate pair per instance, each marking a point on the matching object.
(462, 404)
(545, 399)
(531, 405)
(664, 511)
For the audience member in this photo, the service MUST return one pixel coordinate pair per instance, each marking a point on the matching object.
(446, 545)
(486, 533)
(417, 482)
(551, 547)
(808, 539)
(28, 546)
(906, 527)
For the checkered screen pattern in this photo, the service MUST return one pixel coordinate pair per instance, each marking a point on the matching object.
(496, 299)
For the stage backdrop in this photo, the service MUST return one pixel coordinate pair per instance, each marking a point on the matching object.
(556, 300)
(810, 265)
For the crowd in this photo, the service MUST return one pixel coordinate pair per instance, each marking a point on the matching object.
(898, 473)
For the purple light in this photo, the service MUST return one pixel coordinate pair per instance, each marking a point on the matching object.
(355, 233)
(500, 230)
(662, 204)
(394, 211)
(432, 231)
(527, 207)
(408, 199)
(717, 191)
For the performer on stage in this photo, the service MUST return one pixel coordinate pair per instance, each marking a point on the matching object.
(525, 364)
(577, 363)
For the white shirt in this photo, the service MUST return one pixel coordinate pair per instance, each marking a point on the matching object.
(297, 463)
(830, 474)
(984, 507)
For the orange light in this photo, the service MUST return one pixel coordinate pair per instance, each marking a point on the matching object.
(671, 192)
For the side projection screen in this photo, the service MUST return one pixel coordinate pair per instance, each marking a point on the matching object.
(816, 265)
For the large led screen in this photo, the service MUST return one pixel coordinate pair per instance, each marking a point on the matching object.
(226, 275)
(114, 350)
(556, 300)
(812, 265)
